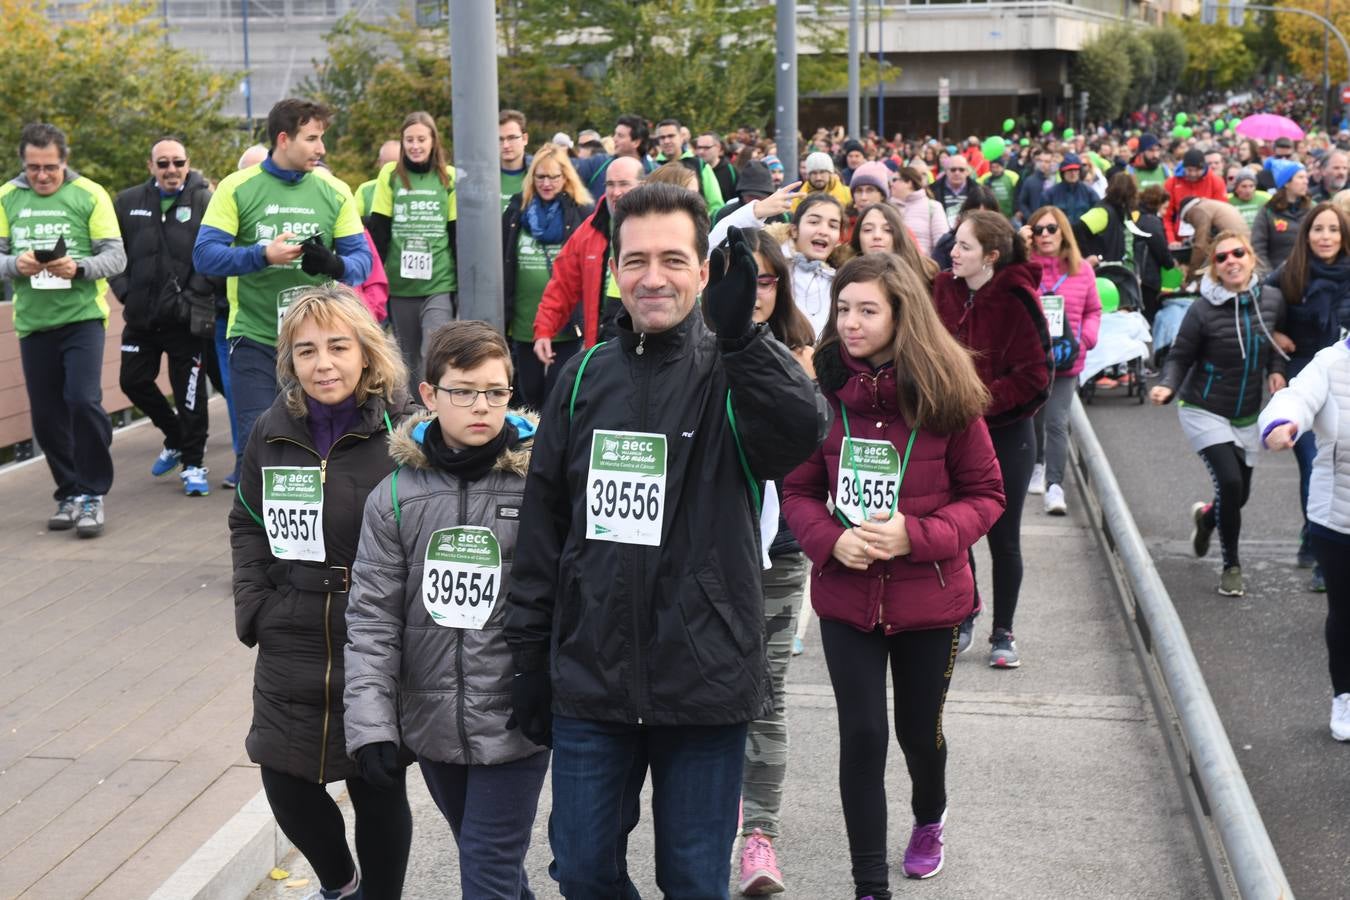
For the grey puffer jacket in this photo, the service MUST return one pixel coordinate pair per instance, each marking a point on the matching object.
(1224, 351)
(444, 693)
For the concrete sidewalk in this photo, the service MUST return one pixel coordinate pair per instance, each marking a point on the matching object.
(1058, 778)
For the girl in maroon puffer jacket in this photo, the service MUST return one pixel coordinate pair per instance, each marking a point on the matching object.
(914, 482)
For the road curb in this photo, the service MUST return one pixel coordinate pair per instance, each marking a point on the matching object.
(233, 860)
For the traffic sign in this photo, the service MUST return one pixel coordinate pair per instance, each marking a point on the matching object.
(1345, 94)
(944, 101)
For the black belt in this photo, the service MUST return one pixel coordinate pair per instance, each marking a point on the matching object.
(320, 579)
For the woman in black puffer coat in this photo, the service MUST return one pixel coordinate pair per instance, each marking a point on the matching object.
(1222, 358)
(309, 464)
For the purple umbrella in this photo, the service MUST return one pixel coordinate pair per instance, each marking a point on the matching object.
(1268, 127)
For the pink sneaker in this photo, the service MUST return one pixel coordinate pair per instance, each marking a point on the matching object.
(923, 856)
(759, 866)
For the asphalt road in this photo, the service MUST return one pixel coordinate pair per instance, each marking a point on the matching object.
(1263, 655)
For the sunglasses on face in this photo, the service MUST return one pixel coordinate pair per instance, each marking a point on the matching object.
(1039, 230)
(1238, 253)
(165, 163)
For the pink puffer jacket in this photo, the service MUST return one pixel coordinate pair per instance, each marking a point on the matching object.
(1082, 306)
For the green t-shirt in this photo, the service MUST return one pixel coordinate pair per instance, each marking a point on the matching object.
(512, 183)
(255, 207)
(81, 212)
(534, 264)
(365, 193)
(1005, 190)
(420, 261)
(1249, 208)
(1145, 177)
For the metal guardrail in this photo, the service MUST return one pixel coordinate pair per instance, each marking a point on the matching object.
(1211, 766)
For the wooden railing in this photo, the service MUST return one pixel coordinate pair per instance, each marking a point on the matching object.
(15, 425)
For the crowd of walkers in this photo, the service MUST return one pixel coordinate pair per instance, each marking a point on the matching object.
(719, 384)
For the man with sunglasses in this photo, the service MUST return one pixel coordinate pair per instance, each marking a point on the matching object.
(58, 242)
(162, 298)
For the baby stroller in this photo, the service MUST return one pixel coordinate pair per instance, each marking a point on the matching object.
(1120, 356)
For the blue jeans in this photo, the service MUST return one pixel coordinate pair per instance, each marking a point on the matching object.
(253, 384)
(598, 771)
(491, 812)
(223, 359)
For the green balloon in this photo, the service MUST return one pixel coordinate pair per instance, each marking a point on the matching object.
(1008, 125)
(1181, 118)
(1187, 131)
(1047, 126)
(1178, 131)
(994, 147)
(1068, 134)
(1109, 294)
(1171, 279)
(1220, 126)
(1025, 142)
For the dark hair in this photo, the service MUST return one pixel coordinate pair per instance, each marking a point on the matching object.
(902, 243)
(814, 199)
(980, 197)
(936, 382)
(288, 115)
(914, 177)
(787, 323)
(637, 127)
(1123, 191)
(465, 344)
(512, 115)
(1152, 198)
(675, 122)
(1294, 278)
(41, 134)
(437, 156)
(994, 232)
(167, 137)
(660, 199)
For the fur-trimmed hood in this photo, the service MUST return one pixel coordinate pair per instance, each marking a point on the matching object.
(405, 445)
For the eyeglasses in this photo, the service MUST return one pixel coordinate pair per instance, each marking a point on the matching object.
(49, 168)
(468, 396)
(1039, 230)
(510, 138)
(165, 163)
(540, 176)
(704, 146)
(1236, 253)
(766, 281)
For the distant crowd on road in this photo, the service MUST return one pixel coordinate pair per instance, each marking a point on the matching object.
(726, 381)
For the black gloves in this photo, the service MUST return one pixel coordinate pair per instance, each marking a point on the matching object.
(319, 260)
(52, 255)
(729, 297)
(532, 706)
(378, 763)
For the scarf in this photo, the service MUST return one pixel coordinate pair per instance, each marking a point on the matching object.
(471, 463)
(328, 423)
(1327, 283)
(544, 221)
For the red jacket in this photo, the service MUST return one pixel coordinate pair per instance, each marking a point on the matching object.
(951, 495)
(1002, 324)
(578, 274)
(1210, 186)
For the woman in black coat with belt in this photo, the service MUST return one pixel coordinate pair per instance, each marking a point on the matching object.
(536, 223)
(309, 464)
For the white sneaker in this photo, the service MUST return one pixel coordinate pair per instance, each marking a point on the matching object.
(1340, 717)
(1054, 501)
(1037, 485)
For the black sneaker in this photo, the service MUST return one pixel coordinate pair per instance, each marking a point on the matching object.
(1003, 650)
(1202, 531)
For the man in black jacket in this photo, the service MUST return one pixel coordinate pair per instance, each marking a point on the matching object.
(160, 291)
(636, 612)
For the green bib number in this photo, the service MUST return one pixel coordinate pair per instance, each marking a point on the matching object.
(293, 512)
(626, 487)
(462, 576)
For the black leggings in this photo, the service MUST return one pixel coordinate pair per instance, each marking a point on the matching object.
(1015, 447)
(313, 822)
(921, 668)
(1232, 479)
(1334, 558)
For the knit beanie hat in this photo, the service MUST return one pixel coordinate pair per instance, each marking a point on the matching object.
(1281, 170)
(873, 173)
(819, 162)
(774, 163)
(1147, 142)
(853, 144)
